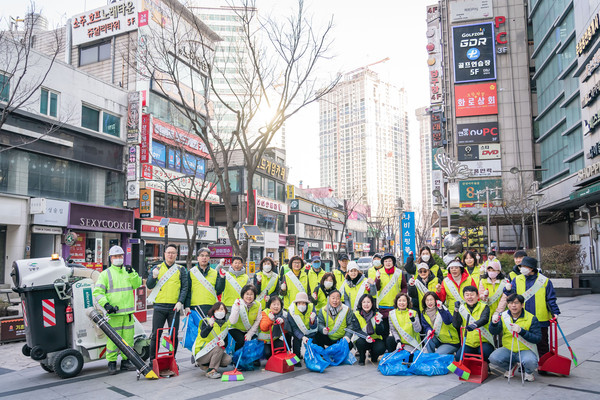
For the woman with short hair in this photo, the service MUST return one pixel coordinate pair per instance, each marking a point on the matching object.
(209, 347)
(245, 316)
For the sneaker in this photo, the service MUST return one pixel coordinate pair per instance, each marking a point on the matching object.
(213, 374)
(127, 365)
(112, 367)
(511, 373)
(528, 377)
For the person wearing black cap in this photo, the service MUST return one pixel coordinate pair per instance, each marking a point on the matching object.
(340, 274)
(389, 281)
(517, 257)
(539, 295)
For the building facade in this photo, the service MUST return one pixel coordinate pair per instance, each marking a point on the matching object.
(424, 122)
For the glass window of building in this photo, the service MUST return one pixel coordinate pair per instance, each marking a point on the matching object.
(90, 118)
(158, 152)
(4, 87)
(49, 103)
(94, 53)
(111, 124)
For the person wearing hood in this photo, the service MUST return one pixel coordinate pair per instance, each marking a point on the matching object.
(368, 322)
(315, 274)
(323, 290)
(355, 286)
(517, 257)
(491, 287)
(436, 321)
(230, 283)
(469, 261)
(389, 282)
(333, 320)
(425, 256)
(114, 292)
(474, 317)
(210, 344)
(302, 322)
(245, 316)
(539, 295)
(425, 281)
(405, 326)
(451, 288)
(169, 283)
(266, 281)
(294, 281)
(273, 317)
(340, 274)
(201, 283)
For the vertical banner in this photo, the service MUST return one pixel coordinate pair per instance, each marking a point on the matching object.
(145, 203)
(133, 117)
(145, 142)
(436, 129)
(409, 242)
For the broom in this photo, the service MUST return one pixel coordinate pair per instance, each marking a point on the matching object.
(235, 375)
(167, 341)
(567, 343)
(459, 368)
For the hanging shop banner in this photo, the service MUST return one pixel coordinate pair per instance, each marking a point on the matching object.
(474, 52)
(409, 242)
(473, 152)
(476, 99)
(437, 183)
(468, 190)
(479, 132)
(146, 138)
(468, 10)
(133, 117)
(484, 167)
(434, 54)
(112, 19)
(437, 135)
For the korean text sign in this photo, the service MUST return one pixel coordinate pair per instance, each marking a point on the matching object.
(474, 52)
(408, 234)
(476, 99)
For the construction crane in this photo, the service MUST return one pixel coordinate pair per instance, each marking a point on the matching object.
(368, 65)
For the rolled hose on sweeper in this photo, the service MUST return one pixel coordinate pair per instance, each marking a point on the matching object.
(103, 324)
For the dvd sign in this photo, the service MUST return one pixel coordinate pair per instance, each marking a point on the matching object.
(483, 132)
(479, 152)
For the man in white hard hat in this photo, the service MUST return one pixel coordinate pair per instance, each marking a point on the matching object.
(114, 291)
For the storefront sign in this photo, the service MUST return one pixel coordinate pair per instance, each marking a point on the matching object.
(220, 251)
(588, 172)
(434, 55)
(591, 66)
(77, 250)
(474, 52)
(268, 204)
(501, 37)
(468, 10)
(56, 213)
(588, 35)
(133, 117)
(46, 230)
(436, 129)
(479, 152)
(271, 240)
(203, 189)
(409, 242)
(591, 96)
(592, 123)
(290, 191)
(178, 137)
(282, 240)
(476, 99)
(133, 190)
(145, 203)
(131, 172)
(484, 167)
(145, 141)
(100, 219)
(104, 22)
(37, 205)
(272, 168)
(468, 190)
(97, 266)
(594, 151)
(12, 329)
(311, 244)
(482, 132)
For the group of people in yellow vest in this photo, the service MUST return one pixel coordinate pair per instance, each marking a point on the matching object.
(384, 309)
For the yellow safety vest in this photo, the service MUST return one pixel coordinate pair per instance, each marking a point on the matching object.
(263, 286)
(385, 278)
(430, 287)
(450, 299)
(525, 323)
(492, 288)
(252, 315)
(314, 279)
(216, 331)
(230, 294)
(446, 334)
(542, 313)
(200, 294)
(473, 336)
(340, 277)
(169, 292)
(292, 290)
(406, 324)
(115, 286)
(341, 331)
(363, 324)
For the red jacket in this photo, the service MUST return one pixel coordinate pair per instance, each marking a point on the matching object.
(465, 275)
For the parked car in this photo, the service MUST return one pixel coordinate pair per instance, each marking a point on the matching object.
(364, 263)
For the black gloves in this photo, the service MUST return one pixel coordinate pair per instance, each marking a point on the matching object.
(457, 305)
(128, 269)
(471, 327)
(110, 309)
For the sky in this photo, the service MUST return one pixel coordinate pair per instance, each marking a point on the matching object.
(363, 33)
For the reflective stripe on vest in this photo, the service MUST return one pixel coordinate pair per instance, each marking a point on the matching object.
(405, 335)
(232, 288)
(541, 308)
(393, 281)
(270, 285)
(207, 285)
(340, 319)
(526, 324)
(168, 275)
(363, 324)
(245, 317)
(295, 281)
(304, 328)
(220, 333)
(464, 313)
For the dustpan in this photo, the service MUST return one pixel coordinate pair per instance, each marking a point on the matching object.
(475, 363)
(164, 365)
(282, 360)
(552, 361)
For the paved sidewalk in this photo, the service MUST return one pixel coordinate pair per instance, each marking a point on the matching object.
(20, 377)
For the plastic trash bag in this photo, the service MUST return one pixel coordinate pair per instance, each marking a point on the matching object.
(337, 353)
(251, 351)
(391, 363)
(313, 358)
(230, 348)
(431, 364)
(191, 333)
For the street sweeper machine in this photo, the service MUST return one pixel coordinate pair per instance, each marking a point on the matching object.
(64, 326)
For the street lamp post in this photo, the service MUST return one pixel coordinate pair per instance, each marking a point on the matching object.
(439, 205)
(497, 201)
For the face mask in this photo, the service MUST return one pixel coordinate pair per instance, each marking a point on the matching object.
(302, 307)
(267, 268)
(117, 262)
(493, 274)
(219, 314)
(377, 263)
(525, 270)
(425, 257)
(328, 284)
(316, 265)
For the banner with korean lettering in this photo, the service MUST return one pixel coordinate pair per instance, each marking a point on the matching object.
(437, 135)
(104, 22)
(409, 240)
(434, 55)
(474, 52)
(476, 99)
(146, 138)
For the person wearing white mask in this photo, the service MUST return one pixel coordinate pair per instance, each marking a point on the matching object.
(210, 344)
(324, 289)
(301, 322)
(266, 281)
(539, 295)
(491, 287)
(425, 256)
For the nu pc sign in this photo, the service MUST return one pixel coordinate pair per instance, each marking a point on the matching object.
(409, 243)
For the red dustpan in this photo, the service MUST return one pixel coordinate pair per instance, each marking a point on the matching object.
(476, 364)
(282, 360)
(552, 361)
(164, 365)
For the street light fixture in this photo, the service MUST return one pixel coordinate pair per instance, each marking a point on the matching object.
(536, 197)
(496, 201)
(439, 205)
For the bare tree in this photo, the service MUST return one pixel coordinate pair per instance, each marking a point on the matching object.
(425, 221)
(273, 81)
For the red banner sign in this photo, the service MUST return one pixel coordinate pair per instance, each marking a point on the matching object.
(145, 142)
(476, 99)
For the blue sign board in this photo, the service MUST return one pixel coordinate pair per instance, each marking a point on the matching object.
(409, 239)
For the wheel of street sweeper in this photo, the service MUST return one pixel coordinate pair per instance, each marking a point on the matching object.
(26, 350)
(38, 353)
(68, 363)
(46, 367)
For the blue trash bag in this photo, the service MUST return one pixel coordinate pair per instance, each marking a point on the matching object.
(191, 333)
(230, 348)
(431, 364)
(313, 358)
(391, 363)
(251, 351)
(350, 359)
(337, 353)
